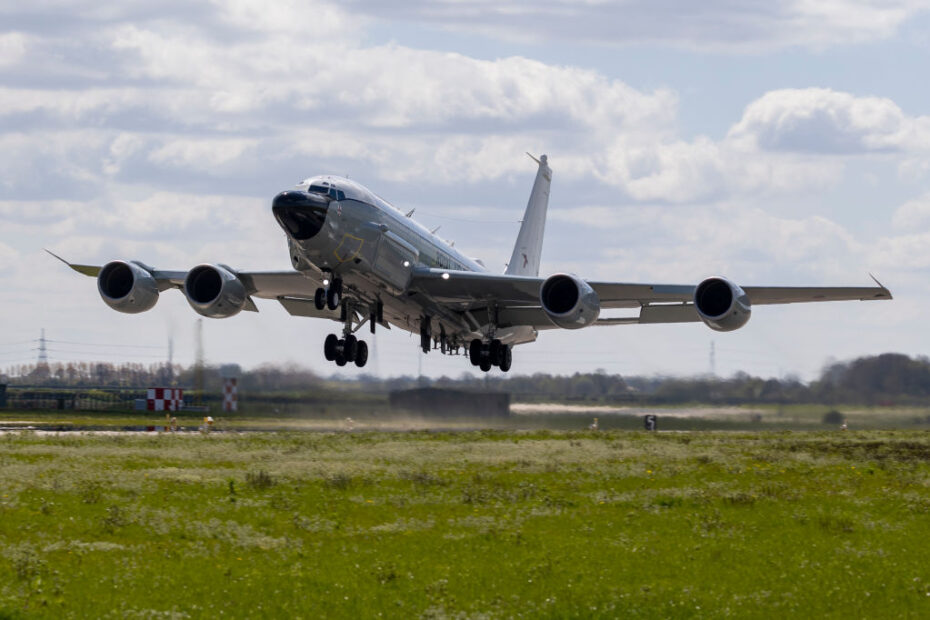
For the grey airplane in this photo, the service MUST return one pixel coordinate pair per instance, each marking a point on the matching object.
(357, 259)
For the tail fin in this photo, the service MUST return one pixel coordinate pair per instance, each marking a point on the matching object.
(528, 249)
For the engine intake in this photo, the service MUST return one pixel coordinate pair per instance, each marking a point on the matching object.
(721, 304)
(127, 287)
(214, 291)
(569, 301)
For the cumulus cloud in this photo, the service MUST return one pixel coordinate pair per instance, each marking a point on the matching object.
(748, 243)
(818, 120)
(712, 25)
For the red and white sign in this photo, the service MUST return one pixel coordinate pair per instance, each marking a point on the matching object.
(165, 399)
(230, 395)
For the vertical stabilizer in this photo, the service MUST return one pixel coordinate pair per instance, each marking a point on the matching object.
(528, 249)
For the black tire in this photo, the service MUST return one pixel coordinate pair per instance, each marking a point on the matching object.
(329, 347)
(485, 364)
(361, 354)
(474, 352)
(496, 352)
(340, 360)
(507, 359)
(350, 348)
(333, 297)
(319, 299)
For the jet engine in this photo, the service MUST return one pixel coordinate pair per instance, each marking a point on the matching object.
(127, 287)
(215, 292)
(721, 304)
(569, 301)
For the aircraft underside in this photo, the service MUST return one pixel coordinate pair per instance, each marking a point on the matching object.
(357, 302)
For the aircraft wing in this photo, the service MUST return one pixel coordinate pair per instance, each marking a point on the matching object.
(517, 297)
(292, 289)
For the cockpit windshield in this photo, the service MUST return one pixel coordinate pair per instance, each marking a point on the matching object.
(332, 192)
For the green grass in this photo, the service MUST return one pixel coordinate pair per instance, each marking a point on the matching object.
(472, 524)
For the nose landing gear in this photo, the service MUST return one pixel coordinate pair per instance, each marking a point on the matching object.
(348, 349)
(330, 297)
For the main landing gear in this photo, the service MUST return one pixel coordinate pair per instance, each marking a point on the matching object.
(488, 354)
(345, 350)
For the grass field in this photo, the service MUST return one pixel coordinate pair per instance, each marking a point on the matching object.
(469, 524)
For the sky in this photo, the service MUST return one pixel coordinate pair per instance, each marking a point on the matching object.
(778, 144)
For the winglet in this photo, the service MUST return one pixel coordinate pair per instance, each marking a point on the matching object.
(885, 290)
(87, 270)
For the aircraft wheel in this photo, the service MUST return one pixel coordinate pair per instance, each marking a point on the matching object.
(329, 347)
(485, 364)
(361, 354)
(350, 347)
(319, 299)
(474, 352)
(496, 352)
(507, 359)
(333, 297)
(340, 360)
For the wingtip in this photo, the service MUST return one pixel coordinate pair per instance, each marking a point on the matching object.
(87, 270)
(885, 292)
(58, 257)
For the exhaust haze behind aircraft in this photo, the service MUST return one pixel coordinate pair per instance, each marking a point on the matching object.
(358, 260)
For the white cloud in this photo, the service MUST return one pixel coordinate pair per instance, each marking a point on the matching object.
(913, 214)
(12, 48)
(741, 241)
(711, 25)
(819, 120)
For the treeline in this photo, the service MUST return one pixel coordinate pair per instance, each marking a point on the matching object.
(891, 378)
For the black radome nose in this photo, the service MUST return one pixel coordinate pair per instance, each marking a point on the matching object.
(299, 213)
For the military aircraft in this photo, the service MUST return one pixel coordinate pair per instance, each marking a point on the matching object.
(357, 259)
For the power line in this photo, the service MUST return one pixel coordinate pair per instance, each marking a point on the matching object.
(96, 344)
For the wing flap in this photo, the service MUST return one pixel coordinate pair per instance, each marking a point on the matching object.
(275, 284)
(297, 306)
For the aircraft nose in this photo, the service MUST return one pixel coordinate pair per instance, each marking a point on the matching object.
(299, 213)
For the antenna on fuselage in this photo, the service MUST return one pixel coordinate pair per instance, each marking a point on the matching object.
(433, 232)
(410, 212)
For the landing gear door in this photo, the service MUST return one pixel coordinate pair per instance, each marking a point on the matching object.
(394, 262)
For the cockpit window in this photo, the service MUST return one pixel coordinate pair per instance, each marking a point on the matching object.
(332, 192)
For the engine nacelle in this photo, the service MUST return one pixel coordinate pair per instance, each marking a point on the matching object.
(127, 287)
(721, 304)
(214, 291)
(569, 301)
